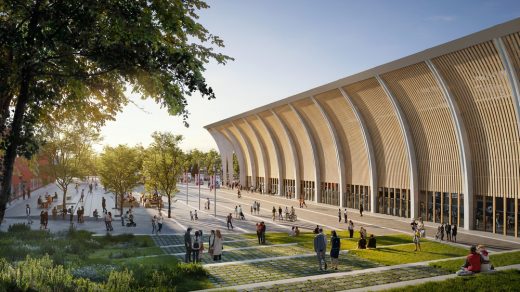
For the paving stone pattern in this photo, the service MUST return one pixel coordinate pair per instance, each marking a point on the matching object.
(356, 281)
(239, 274)
(256, 253)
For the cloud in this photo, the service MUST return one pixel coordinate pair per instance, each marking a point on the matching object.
(441, 18)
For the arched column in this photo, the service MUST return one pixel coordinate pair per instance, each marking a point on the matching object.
(412, 160)
(317, 179)
(464, 148)
(263, 153)
(240, 155)
(515, 91)
(370, 151)
(339, 151)
(297, 175)
(281, 168)
(251, 154)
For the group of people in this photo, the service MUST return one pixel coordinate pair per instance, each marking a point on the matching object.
(450, 230)
(260, 232)
(295, 231)
(477, 261)
(194, 216)
(255, 208)
(418, 232)
(239, 213)
(194, 245)
(157, 223)
(320, 247)
(288, 213)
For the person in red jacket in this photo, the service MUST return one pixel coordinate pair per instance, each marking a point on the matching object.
(473, 261)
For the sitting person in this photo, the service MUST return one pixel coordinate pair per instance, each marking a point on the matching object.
(95, 214)
(371, 241)
(362, 243)
(486, 265)
(472, 264)
(296, 231)
(292, 232)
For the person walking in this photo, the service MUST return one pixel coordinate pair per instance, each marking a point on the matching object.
(159, 223)
(447, 228)
(280, 216)
(208, 204)
(154, 224)
(339, 215)
(197, 247)
(81, 197)
(320, 246)
(361, 209)
(187, 245)
(229, 223)
(191, 215)
(274, 213)
(45, 219)
(350, 228)
(104, 204)
(211, 242)
(335, 246)
(196, 215)
(236, 212)
(218, 246)
(345, 215)
(28, 214)
(264, 228)
(258, 207)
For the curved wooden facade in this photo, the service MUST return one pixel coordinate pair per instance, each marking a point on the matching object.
(434, 135)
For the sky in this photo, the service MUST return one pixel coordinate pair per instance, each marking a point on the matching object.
(282, 48)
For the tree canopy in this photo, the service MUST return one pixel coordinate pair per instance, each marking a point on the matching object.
(57, 55)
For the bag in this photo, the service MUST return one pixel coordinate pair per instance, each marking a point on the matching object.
(196, 245)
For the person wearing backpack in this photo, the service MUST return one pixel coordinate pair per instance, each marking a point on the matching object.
(197, 247)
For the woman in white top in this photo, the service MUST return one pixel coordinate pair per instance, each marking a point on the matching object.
(485, 266)
(218, 245)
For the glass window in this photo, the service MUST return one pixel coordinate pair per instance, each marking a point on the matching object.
(510, 216)
(461, 210)
(430, 206)
(499, 215)
(398, 206)
(437, 207)
(454, 208)
(446, 207)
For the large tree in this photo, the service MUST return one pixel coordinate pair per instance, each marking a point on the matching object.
(62, 54)
(68, 149)
(162, 165)
(120, 170)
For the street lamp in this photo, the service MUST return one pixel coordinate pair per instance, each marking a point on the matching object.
(215, 188)
(198, 179)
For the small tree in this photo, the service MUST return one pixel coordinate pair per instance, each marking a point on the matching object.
(120, 170)
(213, 163)
(68, 148)
(162, 164)
(236, 167)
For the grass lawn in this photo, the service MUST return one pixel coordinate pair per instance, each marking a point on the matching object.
(499, 281)
(498, 260)
(403, 254)
(385, 254)
(306, 239)
(78, 260)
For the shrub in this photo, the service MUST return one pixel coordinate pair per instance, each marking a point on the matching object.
(120, 281)
(19, 227)
(191, 270)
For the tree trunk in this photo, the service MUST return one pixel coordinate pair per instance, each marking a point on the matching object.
(13, 138)
(64, 189)
(13, 142)
(169, 206)
(121, 204)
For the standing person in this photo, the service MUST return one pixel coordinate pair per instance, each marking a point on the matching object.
(240, 213)
(417, 240)
(45, 219)
(236, 212)
(361, 209)
(229, 218)
(28, 214)
(335, 246)
(251, 209)
(320, 246)
(154, 224)
(197, 247)
(442, 231)
(259, 232)
(187, 245)
(264, 228)
(447, 228)
(258, 207)
(454, 232)
(211, 242)
(280, 216)
(274, 213)
(106, 222)
(350, 228)
(81, 197)
(196, 215)
(339, 215)
(345, 215)
(218, 246)
(159, 223)
(104, 204)
(42, 221)
(208, 204)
